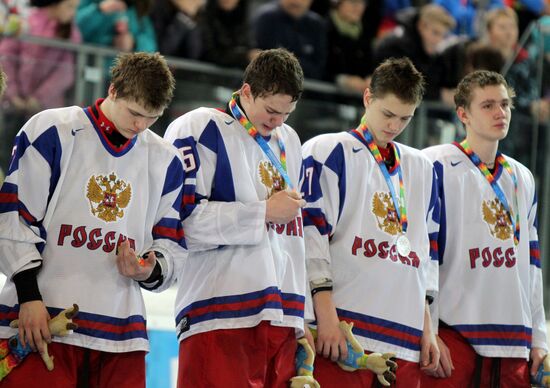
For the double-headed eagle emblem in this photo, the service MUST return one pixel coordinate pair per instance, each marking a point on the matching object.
(108, 195)
(271, 178)
(496, 216)
(385, 213)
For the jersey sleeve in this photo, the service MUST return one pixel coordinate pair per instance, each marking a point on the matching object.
(432, 221)
(25, 195)
(536, 300)
(434, 218)
(212, 215)
(168, 235)
(323, 189)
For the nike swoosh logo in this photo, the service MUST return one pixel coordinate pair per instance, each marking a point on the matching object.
(74, 131)
(356, 150)
(454, 164)
(229, 122)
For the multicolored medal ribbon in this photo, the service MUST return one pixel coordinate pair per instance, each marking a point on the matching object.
(500, 159)
(403, 243)
(280, 164)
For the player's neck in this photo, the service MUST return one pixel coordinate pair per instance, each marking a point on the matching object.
(106, 107)
(485, 149)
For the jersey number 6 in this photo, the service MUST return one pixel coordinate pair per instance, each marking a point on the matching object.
(188, 158)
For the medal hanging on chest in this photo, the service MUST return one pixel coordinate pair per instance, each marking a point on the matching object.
(482, 167)
(403, 244)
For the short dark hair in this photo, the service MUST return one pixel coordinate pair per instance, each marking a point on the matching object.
(398, 76)
(480, 79)
(143, 78)
(275, 71)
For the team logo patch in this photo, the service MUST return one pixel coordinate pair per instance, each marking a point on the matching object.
(385, 213)
(271, 178)
(496, 217)
(108, 195)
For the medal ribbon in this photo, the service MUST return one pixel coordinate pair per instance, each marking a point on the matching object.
(373, 148)
(500, 159)
(280, 164)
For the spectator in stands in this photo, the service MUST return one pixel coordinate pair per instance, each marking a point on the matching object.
(225, 33)
(291, 24)
(176, 27)
(122, 24)
(502, 33)
(349, 61)
(390, 9)
(40, 76)
(468, 14)
(462, 58)
(419, 38)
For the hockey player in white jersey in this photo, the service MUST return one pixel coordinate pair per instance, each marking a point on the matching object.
(490, 301)
(88, 190)
(240, 302)
(370, 222)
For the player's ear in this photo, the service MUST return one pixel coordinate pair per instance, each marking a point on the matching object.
(112, 92)
(462, 114)
(367, 97)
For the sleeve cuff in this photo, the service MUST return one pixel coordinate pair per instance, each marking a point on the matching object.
(26, 285)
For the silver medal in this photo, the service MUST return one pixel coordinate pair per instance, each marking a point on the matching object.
(403, 245)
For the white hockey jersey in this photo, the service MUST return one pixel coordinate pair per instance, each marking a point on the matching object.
(490, 290)
(240, 270)
(351, 232)
(69, 199)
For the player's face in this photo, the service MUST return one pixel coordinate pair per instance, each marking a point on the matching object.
(489, 113)
(386, 117)
(129, 117)
(268, 112)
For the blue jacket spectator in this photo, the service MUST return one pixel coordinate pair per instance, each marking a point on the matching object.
(124, 25)
(290, 24)
(467, 14)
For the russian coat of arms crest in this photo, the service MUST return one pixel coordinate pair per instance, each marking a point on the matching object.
(385, 213)
(108, 196)
(496, 217)
(271, 178)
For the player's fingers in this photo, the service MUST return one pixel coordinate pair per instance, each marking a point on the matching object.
(343, 349)
(149, 260)
(294, 194)
(442, 373)
(446, 365)
(334, 352)
(21, 331)
(45, 333)
(319, 346)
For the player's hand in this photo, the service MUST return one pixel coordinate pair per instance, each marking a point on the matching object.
(132, 266)
(309, 336)
(429, 353)
(282, 207)
(331, 340)
(33, 325)
(538, 357)
(445, 367)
